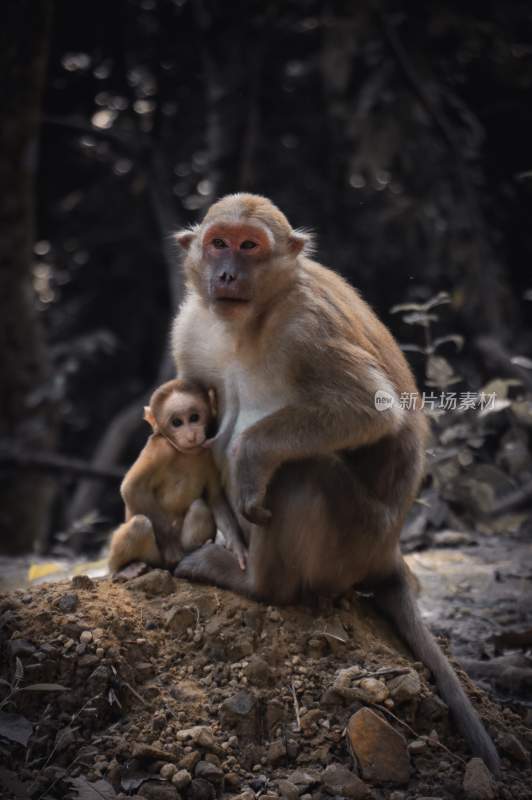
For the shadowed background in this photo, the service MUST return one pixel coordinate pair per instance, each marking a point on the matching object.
(402, 138)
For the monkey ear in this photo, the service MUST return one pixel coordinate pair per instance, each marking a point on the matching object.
(186, 237)
(148, 416)
(213, 402)
(301, 241)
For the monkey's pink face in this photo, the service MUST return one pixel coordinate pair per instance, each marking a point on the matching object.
(232, 255)
(186, 419)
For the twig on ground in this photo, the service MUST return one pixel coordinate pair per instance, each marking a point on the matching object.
(296, 706)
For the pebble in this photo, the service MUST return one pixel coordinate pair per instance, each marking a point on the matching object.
(179, 618)
(477, 783)
(150, 751)
(288, 790)
(338, 780)
(239, 711)
(405, 688)
(210, 772)
(189, 761)
(68, 602)
(371, 690)
(200, 789)
(513, 748)
(304, 778)
(155, 790)
(83, 582)
(451, 539)
(380, 750)
(168, 771)
(85, 637)
(276, 751)
(417, 746)
(181, 779)
(259, 673)
(157, 582)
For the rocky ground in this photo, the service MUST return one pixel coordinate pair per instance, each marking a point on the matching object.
(160, 689)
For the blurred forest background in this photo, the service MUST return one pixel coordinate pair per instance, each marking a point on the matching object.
(400, 133)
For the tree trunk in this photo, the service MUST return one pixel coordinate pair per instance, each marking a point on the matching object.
(26, 412)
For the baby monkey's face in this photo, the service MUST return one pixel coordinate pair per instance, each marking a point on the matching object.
(185, 420)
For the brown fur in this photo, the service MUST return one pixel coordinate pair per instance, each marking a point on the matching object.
(319, 479)
(171, 496)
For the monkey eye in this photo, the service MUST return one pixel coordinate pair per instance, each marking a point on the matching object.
(194, 418)
(248, 245)
(219, 244)
(176, 422)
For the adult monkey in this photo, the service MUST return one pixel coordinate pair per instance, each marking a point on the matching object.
(319, 478)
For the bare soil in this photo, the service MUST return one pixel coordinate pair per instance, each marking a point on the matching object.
(161, 689)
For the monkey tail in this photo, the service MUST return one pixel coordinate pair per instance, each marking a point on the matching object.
(396, 600)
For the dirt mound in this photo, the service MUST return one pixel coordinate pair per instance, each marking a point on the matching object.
(162, 689)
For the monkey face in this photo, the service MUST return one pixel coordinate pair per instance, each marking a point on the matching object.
(185, 418)
(242, 255)
(232, 253)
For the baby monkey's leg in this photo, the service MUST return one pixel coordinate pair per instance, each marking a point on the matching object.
(134, 541)
(198, 526)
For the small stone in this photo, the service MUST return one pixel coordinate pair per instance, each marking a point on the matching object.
(157, 582)
(200, 789)
(276, 752)
(142, 750)
(179, 618)
(85, 637)
(338, 780)
(381, 751)
(168, 771)
(477, 782)
(259, 673)
(288, 790)
(232, 781)
(210, 772)
(83, 582)
(68, 602)
(513, 748)
(156, 790)
(189, 761)
(371, 690)
(239, 711)
(202, 736)
(304, 778)
(182, 779)
(405, 688)
(418, 746)
(451, 539)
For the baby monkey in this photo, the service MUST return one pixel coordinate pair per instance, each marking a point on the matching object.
(173, 494)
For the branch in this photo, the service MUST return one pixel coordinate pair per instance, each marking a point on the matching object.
(54, 462)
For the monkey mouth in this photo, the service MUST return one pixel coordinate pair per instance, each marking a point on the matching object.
(231, 303)
(229, 300)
